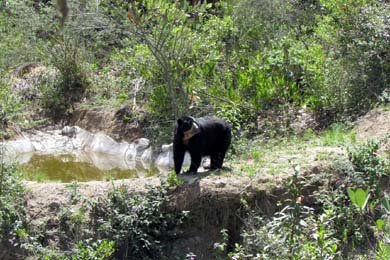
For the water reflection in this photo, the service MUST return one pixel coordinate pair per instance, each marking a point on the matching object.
(82, 167)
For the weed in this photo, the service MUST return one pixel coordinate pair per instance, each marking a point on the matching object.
(88, 249)
(338, 134)
(136, 223)
(173, 180)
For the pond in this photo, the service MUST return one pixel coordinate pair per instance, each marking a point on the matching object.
(74, 154)
(70, 167)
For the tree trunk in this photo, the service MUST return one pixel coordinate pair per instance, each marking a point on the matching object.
(3, 6)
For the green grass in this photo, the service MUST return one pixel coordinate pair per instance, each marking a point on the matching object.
(338, 134)
(322, 156)
(279, 155)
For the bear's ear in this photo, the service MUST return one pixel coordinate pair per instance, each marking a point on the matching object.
(179, 121)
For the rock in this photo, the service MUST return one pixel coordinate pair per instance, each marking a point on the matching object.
(142, 143)
(142, 151)
(51, 142)
(165, 158)
(102, 143)
(82, 139)
(17, 151)
(69, 131)
(19, 146)
(220, 184)
(166, 147)
(54, 206)
(147, 156)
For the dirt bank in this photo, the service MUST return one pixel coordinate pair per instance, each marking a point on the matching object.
(214, 202)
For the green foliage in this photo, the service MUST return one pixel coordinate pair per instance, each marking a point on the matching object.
(10, 106)
(98, 250)
(338, 134)
(294, 232)
(368, 167)
(235, 59)
(19, 44)
(122, 225)
(383, 231)
(243, 55)
(173, 180)
(361, 179)
(71, 83)
(359, 197)
(137, 223)
(12, 205)
(234, 116)
(85, 249)
(350, 212)
(356, 36)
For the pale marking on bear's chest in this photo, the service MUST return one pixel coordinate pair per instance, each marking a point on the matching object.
(190, 133)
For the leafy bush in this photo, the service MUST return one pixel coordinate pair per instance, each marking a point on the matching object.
(9, 107)
(361, 174)
(122, 225)
(137, 223)
(368, 167)
(101, 250)
(70, 85)
(350, 213)
(19, 43)
(12, 206)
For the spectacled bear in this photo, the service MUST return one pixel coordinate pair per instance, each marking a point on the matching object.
(204, 136)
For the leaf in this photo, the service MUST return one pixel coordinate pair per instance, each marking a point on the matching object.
(380, 224)
(387, 250)
(359, 197)
(386, 204)
(351, 195)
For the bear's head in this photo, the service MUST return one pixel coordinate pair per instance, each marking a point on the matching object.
(185, 123)
(187, 127)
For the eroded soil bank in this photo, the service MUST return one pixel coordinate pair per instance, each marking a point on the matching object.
(214, 203)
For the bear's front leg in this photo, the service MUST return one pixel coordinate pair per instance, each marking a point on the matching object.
(178, 157)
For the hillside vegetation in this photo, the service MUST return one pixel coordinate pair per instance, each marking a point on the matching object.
(236, 59)
(291, 77)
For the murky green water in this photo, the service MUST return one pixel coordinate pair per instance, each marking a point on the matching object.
(66, 168)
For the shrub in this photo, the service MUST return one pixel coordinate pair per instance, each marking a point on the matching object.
(137, 223)
(9, 107)
(350, 213)
(71, 84)
(120, 226)
(12, 206)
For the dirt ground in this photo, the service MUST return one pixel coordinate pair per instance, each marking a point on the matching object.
(375, 124)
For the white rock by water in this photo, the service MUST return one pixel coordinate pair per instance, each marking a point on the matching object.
(98, 149)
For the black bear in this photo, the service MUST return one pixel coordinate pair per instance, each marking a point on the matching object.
(204, 136)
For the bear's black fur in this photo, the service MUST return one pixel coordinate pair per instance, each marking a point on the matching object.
(204, 136)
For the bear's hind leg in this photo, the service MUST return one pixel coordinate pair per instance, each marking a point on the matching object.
(216, 161)
(195, 162)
